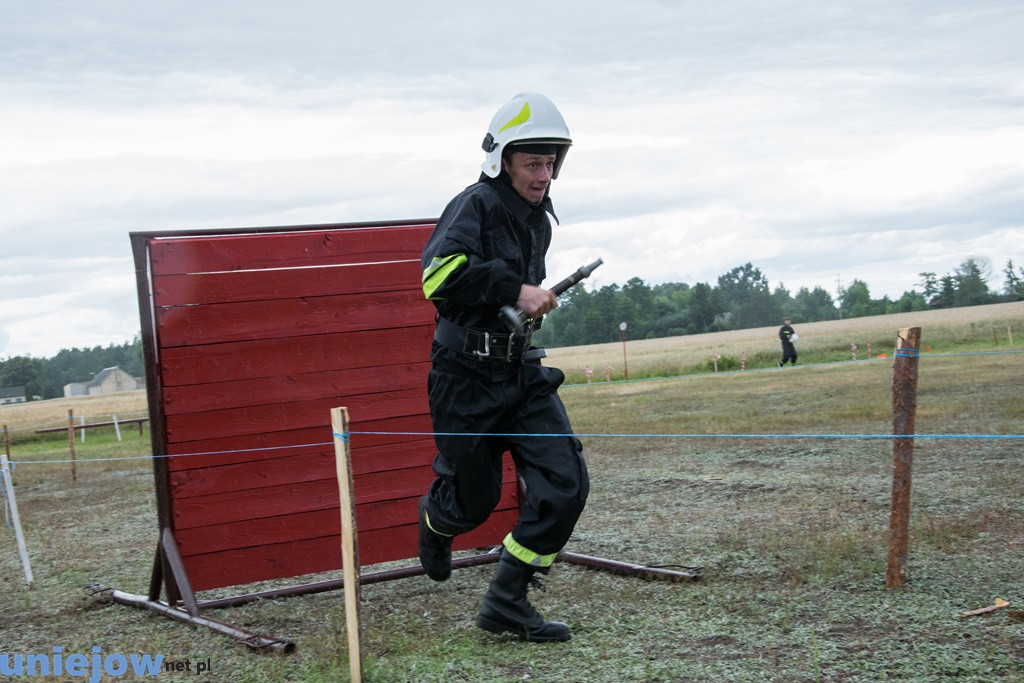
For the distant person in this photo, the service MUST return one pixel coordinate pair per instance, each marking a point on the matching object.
(788, 336)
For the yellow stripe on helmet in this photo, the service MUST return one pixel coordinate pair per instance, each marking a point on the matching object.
(522, 117)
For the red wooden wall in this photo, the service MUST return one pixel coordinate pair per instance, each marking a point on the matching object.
(255, 335)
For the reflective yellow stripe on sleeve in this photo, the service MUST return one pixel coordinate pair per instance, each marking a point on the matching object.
(438, 271)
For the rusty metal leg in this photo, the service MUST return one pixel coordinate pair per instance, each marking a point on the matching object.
(248, 638)
(627, 569)
(337, 584)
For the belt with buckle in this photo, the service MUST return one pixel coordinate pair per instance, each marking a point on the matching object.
(485, 344)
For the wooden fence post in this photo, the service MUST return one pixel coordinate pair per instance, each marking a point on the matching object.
(71, 443)
(904, 408)
(349, 543)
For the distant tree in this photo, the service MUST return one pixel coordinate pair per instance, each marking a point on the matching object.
(704, 306)
(813, 305)
(910, 301)
(22, 371)
(1013, 287)
(784, 302)
(634, 307)
(971, 282)
(857, 302)
(930, 284)
(946, 298)
(745, 291)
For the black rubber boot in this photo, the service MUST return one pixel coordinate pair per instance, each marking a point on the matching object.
(506, 610)
(435, 550)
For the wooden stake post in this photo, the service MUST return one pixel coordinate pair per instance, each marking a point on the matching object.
(5, 475)
(904, 407)
(349, 545)
(71, 443)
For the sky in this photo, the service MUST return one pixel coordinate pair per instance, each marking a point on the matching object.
(822, 142)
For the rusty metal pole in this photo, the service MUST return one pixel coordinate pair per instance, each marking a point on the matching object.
(71, 443)
(253, 640)
(904, 408)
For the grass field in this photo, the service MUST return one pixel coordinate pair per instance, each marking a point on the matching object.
(791, 530)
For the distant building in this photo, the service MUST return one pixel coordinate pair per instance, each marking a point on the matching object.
(12, 395)
(107, 381)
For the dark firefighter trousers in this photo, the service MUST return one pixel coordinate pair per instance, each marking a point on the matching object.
(498, 407)
(788, 352)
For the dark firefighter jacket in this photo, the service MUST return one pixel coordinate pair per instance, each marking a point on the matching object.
(488, 242)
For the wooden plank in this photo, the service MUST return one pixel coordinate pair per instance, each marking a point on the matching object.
(282, 560)
(291, 468)
(265, 285)
(215, 452)
(287, 416)
(246, 533)
(313, 353)
(268, 473)
(204, 254)
(230, 506)
(250, 320)
(288, 388)
(305, 496)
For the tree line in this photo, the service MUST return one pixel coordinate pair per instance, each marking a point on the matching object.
(46, 377)
(743, 298)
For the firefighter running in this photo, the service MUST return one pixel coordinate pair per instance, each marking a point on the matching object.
(486, 381)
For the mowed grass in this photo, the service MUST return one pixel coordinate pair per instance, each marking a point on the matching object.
(764, 478)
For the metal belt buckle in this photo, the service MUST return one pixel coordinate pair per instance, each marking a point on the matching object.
(487, 347)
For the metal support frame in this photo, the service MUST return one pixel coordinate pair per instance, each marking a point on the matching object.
(186, 608)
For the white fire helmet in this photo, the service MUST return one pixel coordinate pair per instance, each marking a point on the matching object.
(531, 120)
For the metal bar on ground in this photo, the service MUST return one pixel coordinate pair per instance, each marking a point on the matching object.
(627, 569)
(336, 584)
(248, 638)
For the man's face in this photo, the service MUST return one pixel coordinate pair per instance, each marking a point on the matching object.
(530, 174)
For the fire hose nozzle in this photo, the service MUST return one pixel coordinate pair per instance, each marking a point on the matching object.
(517, 319)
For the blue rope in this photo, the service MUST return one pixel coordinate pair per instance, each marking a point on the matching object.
(345, 438)
(709, 436)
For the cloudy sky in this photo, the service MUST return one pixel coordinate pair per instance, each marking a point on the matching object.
(821, 141)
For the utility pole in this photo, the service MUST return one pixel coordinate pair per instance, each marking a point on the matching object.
(839, 294)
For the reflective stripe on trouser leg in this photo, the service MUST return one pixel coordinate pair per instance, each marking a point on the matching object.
(527, 556)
